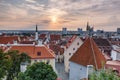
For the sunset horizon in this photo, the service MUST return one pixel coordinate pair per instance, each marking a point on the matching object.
(54, 14)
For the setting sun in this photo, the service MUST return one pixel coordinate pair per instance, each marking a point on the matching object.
(54, 19)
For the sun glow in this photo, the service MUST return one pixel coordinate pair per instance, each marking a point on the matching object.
(54, 19)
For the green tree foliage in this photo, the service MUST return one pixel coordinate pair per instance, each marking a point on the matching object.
(15, 59)
(104, 75)
(4, 64)
(38, 71)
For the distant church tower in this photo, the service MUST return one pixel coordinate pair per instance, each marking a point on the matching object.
(36, 34)
(88, 27)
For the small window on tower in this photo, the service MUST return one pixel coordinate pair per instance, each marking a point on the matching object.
(69, 54)
(39, 53)
(73, 48)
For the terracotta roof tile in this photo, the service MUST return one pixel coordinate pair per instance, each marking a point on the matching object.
(8, 39)
(89, 54)
(27, 42)
(55, 37)
(56, 49)
(42, 36)
(101, 42)
(33, 51)
(113, 65)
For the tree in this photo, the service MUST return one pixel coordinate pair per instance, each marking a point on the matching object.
(104, 75)
(38, 71)
(4, 64)
(15, 59)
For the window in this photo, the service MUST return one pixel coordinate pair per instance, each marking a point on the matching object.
(40, 60)
(73, 48)
(80, 68)
(35, 60)
(78, 43)
(69, 53)
(48, 61)
(39, 53)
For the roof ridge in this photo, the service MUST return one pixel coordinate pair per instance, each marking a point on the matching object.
(93, 54)
(49, 51)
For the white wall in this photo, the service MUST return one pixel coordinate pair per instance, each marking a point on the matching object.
(51, 62)
(113, 55)
(71, 51)
(77, 71)
(118, 56)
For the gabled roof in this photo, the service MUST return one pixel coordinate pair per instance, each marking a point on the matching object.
(89, 54)
(33, 51)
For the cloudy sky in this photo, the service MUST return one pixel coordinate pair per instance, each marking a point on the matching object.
(55, 14)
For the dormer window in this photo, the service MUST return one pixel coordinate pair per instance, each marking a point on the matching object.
(38, 53)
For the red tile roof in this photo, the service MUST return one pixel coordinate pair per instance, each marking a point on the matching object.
(57, 49)
(42, 36)
(27, 42)
(55, 37)
(113, 65)
(89, 54)
(8, 39)
(32, 51)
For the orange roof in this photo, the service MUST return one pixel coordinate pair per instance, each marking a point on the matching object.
(89, 54)
(7, 39)
(33, 51)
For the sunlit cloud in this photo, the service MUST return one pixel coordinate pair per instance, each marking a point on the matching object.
(55, 14)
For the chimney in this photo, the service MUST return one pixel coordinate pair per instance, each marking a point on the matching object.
(90, 70)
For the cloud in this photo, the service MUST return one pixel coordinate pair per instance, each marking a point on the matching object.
(73, 12)
(31, 1)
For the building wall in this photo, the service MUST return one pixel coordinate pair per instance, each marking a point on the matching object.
(51, 62)
(77, 71)
(113, 55)
(118, 56)
(70, 51)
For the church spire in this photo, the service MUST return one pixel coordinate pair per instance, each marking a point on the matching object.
(36, 28)
(88, 27)
(36, 33)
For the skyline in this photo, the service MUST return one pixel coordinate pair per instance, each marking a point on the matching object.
(55, 14)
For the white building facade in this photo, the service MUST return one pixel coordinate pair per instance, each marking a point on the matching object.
(77, 71)
(72, 48)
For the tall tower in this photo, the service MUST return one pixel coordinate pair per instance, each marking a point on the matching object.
(88, 27)
(36, 33)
